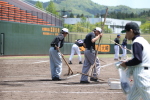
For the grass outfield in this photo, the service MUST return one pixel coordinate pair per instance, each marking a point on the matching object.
(66, 56)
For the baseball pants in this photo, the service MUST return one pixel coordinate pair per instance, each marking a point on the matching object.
(141, 86)
(116, 48)
(75, 49)
(124, 52)
(88, 61)
(55, 62)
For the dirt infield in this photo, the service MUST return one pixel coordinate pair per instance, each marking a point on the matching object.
(30, 79)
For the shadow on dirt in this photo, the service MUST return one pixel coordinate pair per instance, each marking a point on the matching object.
(74, 83)
(28, 80)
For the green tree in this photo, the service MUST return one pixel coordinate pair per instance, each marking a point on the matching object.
(39, 5)
(145, 28)
(78, 16)
(51, 8)
(97, 15)
(82, 15)
(71, 15)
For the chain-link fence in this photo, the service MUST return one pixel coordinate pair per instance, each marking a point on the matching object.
(106, 39)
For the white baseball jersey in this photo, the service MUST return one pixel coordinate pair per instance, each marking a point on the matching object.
(141, 74)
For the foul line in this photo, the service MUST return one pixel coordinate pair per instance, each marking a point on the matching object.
(101, 66)
(108, 64)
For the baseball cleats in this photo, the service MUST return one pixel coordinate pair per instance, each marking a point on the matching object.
(57, 79)
(80, 62)
(84, 82)
(93, 79)
(119, 58)
(70, 62)
(115, 59)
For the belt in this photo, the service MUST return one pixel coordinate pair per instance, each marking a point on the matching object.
(146, 68)
(87, 49)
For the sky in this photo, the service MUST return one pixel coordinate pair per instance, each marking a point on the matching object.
(129, 3)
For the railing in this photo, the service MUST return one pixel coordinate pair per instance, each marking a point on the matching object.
(43, 10)
(9, 12)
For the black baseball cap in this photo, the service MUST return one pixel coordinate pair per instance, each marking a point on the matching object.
(131, 25)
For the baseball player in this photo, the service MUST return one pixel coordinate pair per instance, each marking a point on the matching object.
(124, 50)
(55, 56)
(140, 63)
(75, 49)
(116, 47)
(90, 55)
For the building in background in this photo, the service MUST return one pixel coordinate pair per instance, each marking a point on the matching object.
(115, 24)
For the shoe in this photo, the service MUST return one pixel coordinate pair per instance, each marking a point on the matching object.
(115, 59)
(84, 82)
(80, 62)
(56, 79)
(119, 58)
(70, 62)
(94, 79)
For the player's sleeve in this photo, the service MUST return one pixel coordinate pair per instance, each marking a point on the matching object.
(61, 41)
(137, 52)
(92, 36)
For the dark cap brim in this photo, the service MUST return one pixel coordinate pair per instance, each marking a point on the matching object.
(123, 31)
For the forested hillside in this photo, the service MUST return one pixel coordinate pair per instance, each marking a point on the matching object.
(88, 7)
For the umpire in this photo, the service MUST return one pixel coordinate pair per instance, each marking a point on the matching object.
(55, 56)
(90, 55)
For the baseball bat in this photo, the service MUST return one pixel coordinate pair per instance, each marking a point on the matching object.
(121, 46)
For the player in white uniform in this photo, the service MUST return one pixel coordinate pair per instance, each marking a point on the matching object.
(75, 49)
(139, 65)
(116, 47)
(124, 50)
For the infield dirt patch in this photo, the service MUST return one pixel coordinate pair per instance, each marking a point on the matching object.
(30, 79)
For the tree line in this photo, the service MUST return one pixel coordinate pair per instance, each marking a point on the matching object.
(86, 26)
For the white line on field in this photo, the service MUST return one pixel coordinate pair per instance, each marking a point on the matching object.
(73, 75)
(41, 61)
(108, 64)
(47, 75)
(25, 76)
(101, 66)
(61, 92)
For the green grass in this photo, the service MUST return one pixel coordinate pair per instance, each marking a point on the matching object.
(66, 56)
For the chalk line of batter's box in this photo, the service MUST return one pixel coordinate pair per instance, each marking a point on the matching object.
(40, 62)
(55, 92)
(27, 76)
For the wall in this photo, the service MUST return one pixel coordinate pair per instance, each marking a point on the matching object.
(26, 39)
(31, 39)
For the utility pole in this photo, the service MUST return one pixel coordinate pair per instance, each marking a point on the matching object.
(63, 12)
